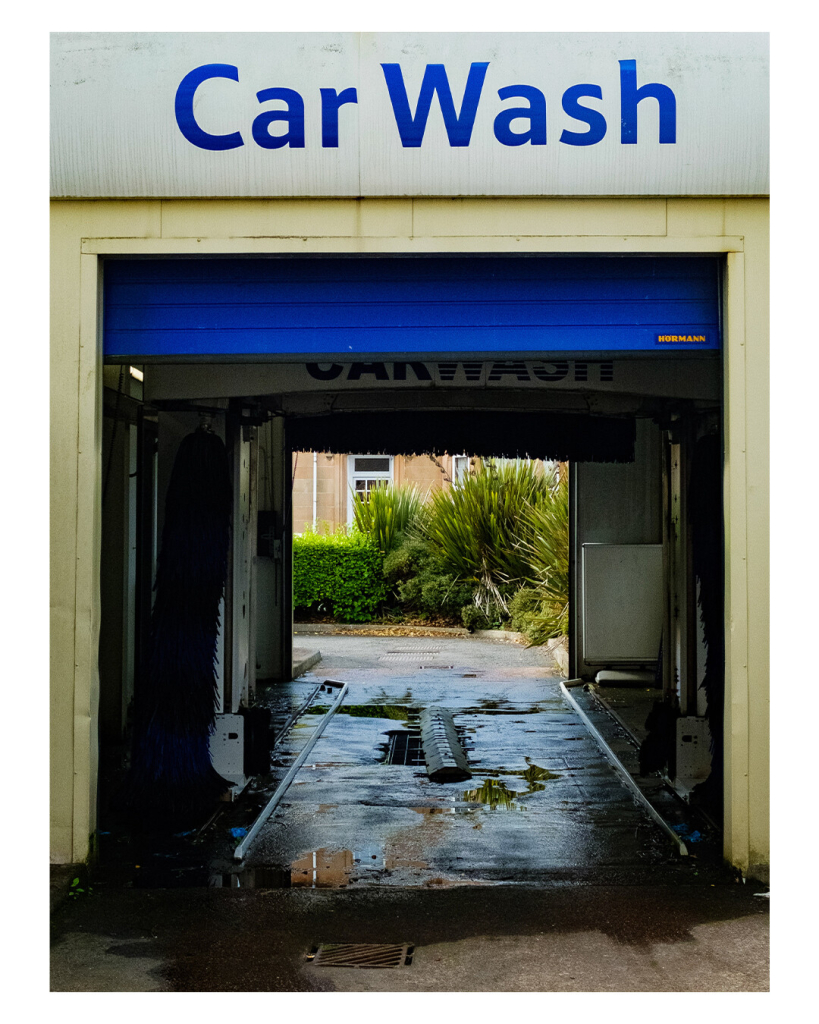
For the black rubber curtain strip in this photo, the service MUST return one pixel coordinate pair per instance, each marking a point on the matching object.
(549, 436)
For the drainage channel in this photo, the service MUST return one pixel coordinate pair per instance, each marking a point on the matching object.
(620, 768)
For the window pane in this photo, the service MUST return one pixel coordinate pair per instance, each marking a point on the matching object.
(372, 465)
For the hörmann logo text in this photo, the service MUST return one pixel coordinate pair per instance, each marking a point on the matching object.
(689, 339)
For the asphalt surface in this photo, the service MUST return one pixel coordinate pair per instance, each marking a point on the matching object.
(540, 873)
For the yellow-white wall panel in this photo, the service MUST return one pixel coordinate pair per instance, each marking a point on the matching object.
(701, 217)
(532, 217)
(401, 225)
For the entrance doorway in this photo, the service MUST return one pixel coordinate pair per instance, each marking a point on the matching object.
(628, 422)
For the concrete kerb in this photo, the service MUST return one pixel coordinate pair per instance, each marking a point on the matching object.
(365, 629)
(303, 660)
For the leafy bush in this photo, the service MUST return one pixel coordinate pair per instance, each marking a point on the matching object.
(477, 528)
(342, 569)
(405, 561)
(473, 618)
(388, 513)
(420, 584)
(523, 607)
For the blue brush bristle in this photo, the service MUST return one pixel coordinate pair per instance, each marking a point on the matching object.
(171, 773)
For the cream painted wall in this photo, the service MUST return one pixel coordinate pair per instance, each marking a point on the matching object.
(84, 230)
(332, 485)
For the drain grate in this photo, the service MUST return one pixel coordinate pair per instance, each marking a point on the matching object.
(361, 954)
(416, 650)
(404, 747)
(408, 655)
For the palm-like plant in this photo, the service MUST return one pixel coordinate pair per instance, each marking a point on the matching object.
(479, 530)
(546, 547)
(388, 512)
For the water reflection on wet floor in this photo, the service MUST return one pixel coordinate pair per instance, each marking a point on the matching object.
(325, 868)
(541, 798)
(519, 814)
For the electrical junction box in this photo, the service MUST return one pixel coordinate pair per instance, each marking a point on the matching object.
(622, 603)
(227, 751)
(693, 751)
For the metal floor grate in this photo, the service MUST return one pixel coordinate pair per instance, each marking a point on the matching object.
(408, 655)
(404, 747)
(361, 954)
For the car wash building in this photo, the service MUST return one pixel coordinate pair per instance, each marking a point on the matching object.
(542, 245)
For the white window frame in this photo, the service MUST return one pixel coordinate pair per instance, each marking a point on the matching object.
(352, 475)
(460, 468)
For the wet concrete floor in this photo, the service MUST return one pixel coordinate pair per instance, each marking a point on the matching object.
(542, 803)
(556, 938)
(540, 873)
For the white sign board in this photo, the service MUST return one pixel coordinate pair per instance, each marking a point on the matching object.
(409, 114)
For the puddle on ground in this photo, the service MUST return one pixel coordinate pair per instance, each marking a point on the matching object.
(493, 707)
(253, 878)
(496, 794)
(322, 869)
(426, 811)
(389, 711)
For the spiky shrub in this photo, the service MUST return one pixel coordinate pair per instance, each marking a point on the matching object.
(478, 530)
(543, 606)
(388, 513)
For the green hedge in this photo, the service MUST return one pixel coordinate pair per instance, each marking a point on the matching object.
(344, 570)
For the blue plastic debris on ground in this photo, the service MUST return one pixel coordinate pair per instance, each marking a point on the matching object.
(687, 836)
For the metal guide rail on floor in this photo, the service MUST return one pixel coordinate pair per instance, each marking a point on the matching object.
(328, 686)
(668, 782)
(621, 769)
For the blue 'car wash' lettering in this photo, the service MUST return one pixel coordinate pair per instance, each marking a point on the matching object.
(184, 107)
(535, 114)
(331, 100)
(411, 126)
(593, 118)
(294, 116)
(630, 96)
(458, 126)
